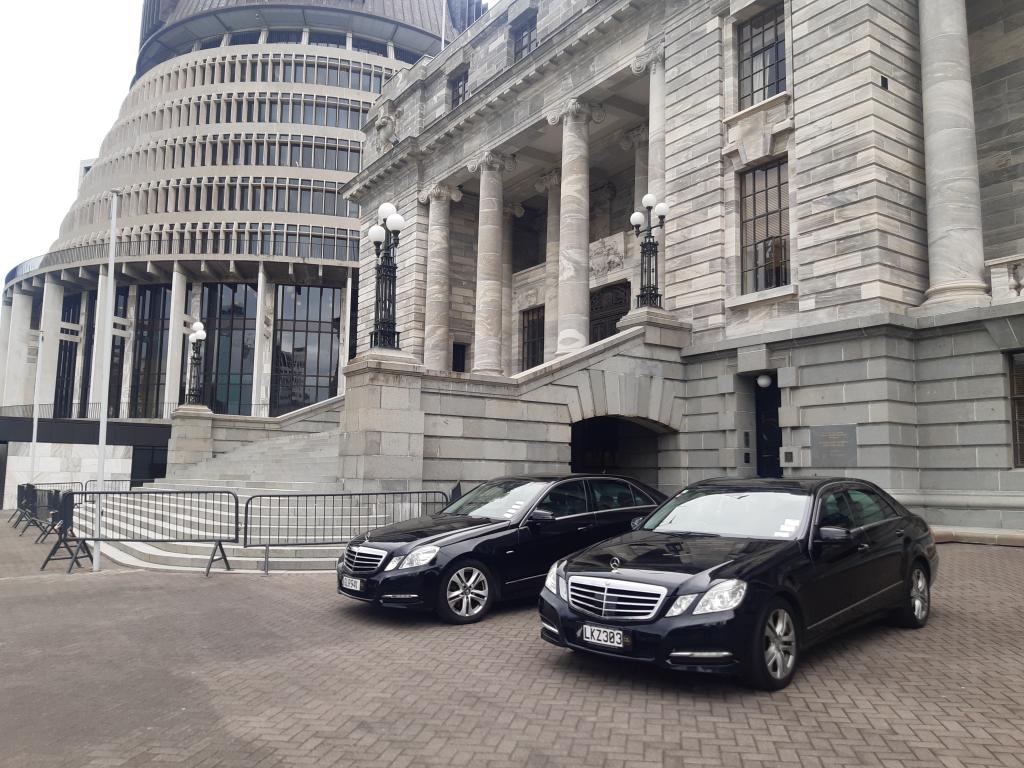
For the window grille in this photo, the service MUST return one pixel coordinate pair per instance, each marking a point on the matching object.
(764, 206)
(762, 56)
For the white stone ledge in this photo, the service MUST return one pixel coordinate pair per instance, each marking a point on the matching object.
(761, 106)
(771, 295)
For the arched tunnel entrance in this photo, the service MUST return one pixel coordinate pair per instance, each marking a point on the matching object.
(615, 445)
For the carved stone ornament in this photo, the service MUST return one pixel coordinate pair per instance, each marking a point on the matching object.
(648, 59)
(575, 109)
(492, 161)
(550, 180)
(633, 138)
(440, 193)
(386, 129)
(514, 209)
(606, 256)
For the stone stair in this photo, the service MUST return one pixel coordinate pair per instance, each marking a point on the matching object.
(293, 464)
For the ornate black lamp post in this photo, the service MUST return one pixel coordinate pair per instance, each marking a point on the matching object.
(195, 387)
(644, 223)
(385, 236)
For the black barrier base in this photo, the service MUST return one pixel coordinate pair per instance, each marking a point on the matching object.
(81, 546)
(214, 558)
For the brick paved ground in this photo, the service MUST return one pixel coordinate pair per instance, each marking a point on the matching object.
(137, 669)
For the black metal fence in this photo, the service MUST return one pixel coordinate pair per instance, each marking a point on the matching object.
(324, 519)
(181, 517)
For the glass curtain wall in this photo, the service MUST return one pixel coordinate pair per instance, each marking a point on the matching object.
(67, 356)
(229, 314)
(88, 331)
(307, 342)
(117, 355)
(149, 368)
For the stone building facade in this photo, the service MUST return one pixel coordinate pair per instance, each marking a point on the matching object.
(840, 270)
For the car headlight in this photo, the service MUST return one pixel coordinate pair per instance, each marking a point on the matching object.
(341, 562)
(680, 605)
(722, 597)
(551, 580)
(419, 556)
(396, 562)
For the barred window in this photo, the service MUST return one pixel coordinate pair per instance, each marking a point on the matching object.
(764, 206)
(762, 56)
(459, 87)
(1017, 403)
(532, 338)
(524, 38)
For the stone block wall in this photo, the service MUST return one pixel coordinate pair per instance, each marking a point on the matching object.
(997, 68)
(61, 463)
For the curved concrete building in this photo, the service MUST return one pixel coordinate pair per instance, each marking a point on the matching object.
(230, 154)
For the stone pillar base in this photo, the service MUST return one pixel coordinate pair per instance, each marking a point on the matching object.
(382, 447)
(662, 327)
(191, 436)
(951, 297)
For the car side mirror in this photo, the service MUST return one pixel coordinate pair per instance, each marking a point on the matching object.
(542, 516)
(636, 522)
(830, 535)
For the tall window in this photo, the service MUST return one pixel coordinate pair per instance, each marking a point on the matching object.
(1017, 401)
(67, 353)
(532, 338)
(524, 37)
(764, 206)
(762, 56)
(229, 313)
(117, 355)
(307, 340)
(459, 85)
(149, 365)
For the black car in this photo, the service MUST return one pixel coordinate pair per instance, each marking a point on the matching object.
(742, 576)
(497, 541)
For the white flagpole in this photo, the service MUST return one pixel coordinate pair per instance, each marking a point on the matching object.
(444, 21)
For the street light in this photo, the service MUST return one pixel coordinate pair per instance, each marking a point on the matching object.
(106, 344)
(644, 223)
(385, 234)
(195, 389)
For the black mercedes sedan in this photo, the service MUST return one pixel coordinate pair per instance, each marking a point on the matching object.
(742, 576)
(495, 542)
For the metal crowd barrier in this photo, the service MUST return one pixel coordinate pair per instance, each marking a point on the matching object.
(298, 520)
(29, 497)
(179, 517)
(120, 486)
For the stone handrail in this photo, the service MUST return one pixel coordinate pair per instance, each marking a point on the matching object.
(1007, 278)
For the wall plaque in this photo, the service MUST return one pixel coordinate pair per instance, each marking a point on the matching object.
(834, 447)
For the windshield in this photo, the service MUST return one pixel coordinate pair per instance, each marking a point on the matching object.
(498, 500)
(726, 512)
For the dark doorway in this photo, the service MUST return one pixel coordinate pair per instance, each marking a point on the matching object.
(615, 446)
(607, 306)
(769, 435)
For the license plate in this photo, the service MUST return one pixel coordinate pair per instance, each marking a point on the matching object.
(610, 638)
(356, 585)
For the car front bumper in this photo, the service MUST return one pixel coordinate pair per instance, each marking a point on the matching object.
(414, 589)
(715, 643)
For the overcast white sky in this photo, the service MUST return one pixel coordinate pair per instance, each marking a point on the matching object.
(65, 66)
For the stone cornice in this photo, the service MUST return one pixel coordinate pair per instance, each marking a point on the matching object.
(601, 20)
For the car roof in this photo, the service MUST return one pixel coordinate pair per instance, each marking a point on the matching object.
(803, 485)
(553, 477)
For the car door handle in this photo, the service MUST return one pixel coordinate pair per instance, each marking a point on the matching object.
(863, 547)
(900, 533)
(584, 527)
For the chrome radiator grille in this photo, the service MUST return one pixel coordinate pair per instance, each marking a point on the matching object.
(615, 599)
(363, 560)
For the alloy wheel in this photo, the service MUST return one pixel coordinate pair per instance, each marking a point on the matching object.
(467, 592)
(779, 644)
(919, 597)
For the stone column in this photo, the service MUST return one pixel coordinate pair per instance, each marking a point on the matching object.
(49, 339)
(654, 64)
(574, 228)
(551, 183)
(175, 340)
(487, 325)
(635, 141)
(266, 293)
(128, 323)
(100, 343)
(5, 337)
(436, 331)
(511, 212)
(18, 382)
(956, 258)
(346, 334)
